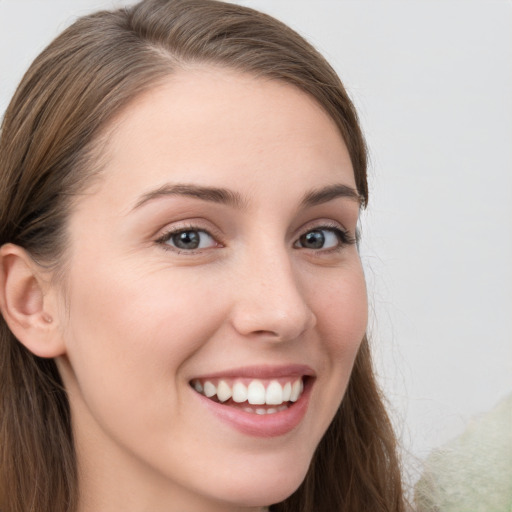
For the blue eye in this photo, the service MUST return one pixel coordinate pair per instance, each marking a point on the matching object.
(323, 238)
(189, 239)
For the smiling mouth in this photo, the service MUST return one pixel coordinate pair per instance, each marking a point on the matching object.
(257, 396)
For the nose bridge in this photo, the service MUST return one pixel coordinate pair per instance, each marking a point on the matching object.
(270, 299)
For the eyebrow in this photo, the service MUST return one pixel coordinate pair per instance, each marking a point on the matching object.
(330, 192)
(212, 194)
(234, 199)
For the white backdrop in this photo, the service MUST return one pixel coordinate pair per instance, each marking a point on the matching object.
(432, 81)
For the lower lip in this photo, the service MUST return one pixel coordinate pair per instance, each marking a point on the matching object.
(261, 425)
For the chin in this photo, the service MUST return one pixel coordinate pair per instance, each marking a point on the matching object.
(265, 487)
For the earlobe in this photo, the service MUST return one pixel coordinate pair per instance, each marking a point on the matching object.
(26, 304)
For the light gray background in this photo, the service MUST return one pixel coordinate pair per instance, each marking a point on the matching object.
(432, 81)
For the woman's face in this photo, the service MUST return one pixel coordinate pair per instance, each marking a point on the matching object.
(214, 256)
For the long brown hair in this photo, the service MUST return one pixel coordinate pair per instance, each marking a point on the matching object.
(48, 152)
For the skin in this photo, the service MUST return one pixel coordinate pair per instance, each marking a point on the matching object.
(139, 319)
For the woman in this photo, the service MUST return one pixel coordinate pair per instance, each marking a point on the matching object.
(182, 298)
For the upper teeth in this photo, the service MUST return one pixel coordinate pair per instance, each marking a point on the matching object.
(256, 392)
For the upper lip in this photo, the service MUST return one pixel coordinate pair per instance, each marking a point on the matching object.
(261, 372)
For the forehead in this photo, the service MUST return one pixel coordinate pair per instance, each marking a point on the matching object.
(220, 127)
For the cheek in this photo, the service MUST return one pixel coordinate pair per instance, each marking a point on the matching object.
(127, 346)
(342, 314)
(137, 332)
(341, 308)
(140, 312)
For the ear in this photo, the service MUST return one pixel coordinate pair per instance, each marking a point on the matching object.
(27, 302)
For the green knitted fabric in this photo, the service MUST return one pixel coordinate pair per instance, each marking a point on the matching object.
(472, 473)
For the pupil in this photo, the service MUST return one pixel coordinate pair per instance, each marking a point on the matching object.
(186, 240)
(313, 240)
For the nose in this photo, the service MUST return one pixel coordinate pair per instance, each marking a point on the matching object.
(270, 300)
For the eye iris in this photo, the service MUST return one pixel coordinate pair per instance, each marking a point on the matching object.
(186, 240)
(313, 240)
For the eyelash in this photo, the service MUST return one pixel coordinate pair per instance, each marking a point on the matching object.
(168, 235)
(344, 237)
